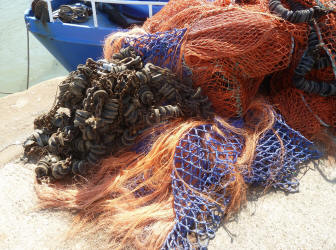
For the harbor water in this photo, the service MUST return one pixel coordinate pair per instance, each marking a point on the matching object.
(13, 51)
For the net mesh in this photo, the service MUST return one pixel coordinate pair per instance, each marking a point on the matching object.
(204, 165)
(278, 154)
(230, 82)
(161, 48)
(230, 49)
(326, 27)
(206, 169)
(307, 113)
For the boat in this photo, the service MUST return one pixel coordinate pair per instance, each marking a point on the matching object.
(71, 43)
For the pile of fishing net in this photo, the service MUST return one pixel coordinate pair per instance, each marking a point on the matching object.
(184, 114)
(104, 107)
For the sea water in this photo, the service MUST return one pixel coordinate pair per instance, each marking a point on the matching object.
(13, 51)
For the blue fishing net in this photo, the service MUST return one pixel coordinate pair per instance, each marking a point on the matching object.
(161, 48)
(204, 166)
(204, 171)
(277, 166)
(205, 159)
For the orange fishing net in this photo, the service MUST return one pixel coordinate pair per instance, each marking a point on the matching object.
(168, 197)
(308, 113)
(230, 49)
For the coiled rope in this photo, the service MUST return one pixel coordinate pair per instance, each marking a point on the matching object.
(74, 13)
(296, 16)
(308, 60)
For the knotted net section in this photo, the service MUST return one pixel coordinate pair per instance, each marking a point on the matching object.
(207, 177)
(204, 171)
(278, 155)
(160, 48)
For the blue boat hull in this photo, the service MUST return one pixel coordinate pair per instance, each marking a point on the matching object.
(70, 54)
(70, 44)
